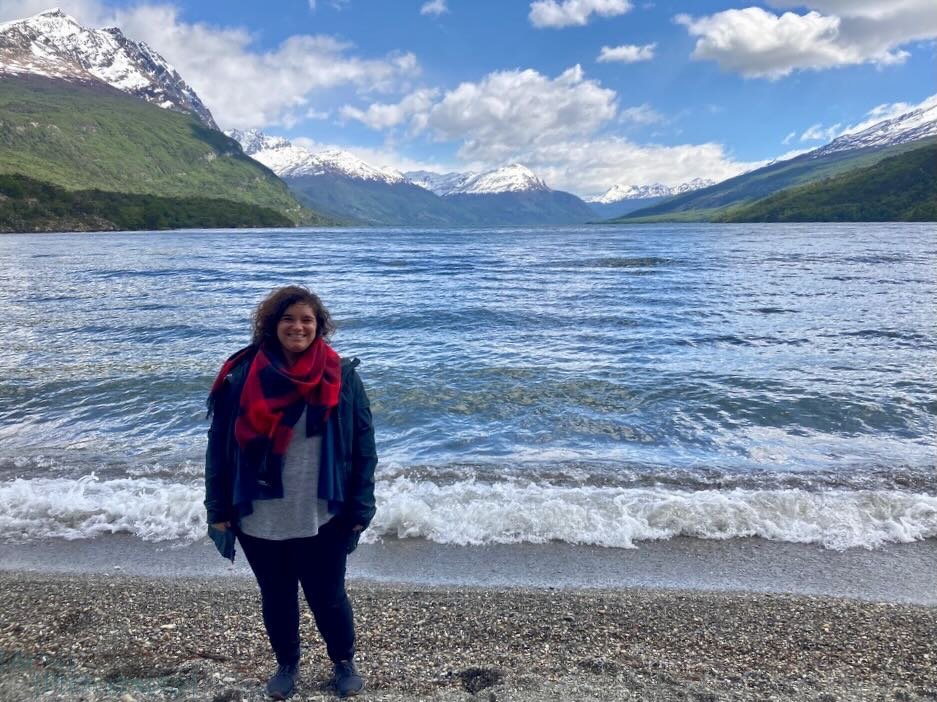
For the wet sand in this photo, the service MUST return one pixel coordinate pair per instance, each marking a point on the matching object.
(895, 573)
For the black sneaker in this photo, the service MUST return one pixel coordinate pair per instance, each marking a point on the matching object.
(280, 685)
(347, 682)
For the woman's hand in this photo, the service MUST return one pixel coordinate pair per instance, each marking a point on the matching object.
(221, 526)
(357, 529)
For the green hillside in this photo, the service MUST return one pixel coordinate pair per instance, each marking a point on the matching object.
(28, 205)
(708, 204)
(92, 136)
(898, 188)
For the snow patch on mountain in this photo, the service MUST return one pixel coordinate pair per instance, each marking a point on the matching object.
(439, 183)
(508, 179)
(290, 161)
(54, 45)
(917, 124)
(618, 193)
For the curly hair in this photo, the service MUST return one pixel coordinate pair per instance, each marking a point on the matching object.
(267, 314)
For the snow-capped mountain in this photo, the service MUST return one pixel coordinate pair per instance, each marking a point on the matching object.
(618, 193)
(514, 178)
(911, 126)
(54, 45)
(290, 161)
(440, 183)
(695, 184)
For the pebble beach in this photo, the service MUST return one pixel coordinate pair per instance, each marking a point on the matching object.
(129, 638)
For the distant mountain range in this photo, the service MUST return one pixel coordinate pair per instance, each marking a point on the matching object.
(343, 186)
(101, 123)
(731, 198)
(622, 199)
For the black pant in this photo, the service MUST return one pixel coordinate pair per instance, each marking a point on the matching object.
(316, 562)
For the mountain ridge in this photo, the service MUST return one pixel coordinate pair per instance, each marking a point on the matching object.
(55, 45)
(340, 184)
(863, 148)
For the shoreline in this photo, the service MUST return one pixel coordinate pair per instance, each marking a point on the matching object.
(97, 637)
(897, 573)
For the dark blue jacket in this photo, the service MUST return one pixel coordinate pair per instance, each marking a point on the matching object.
(348, 458)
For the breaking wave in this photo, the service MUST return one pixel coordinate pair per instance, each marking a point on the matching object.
(472, 512)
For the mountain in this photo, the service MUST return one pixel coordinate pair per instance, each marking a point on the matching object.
(440, 183)
(622, 199)
(343, 186)
(289, 161)
(527, 207)
(54, 45)
(513, 194)
(909, 127)
(514, 178)
(862, 149)
(898, 188)
(618, 193)
(29, 205)
(90, 117)
(83, 137)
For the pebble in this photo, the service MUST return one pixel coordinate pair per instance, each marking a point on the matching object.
(73, 637)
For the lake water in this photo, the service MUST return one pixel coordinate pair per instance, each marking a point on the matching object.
(588, 385)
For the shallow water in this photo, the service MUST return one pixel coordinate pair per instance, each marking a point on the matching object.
(588, 385)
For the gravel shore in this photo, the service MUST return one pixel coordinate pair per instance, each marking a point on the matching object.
(96, 637)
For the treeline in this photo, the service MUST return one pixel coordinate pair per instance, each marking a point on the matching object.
(28, 205)
(900, 188)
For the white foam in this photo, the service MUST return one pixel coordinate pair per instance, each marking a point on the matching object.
(470, 512)
(153, 510)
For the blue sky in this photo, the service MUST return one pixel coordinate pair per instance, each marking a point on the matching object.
(588, 93)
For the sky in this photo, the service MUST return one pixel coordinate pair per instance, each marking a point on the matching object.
(587, 93)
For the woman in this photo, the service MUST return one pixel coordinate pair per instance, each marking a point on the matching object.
(290, 471)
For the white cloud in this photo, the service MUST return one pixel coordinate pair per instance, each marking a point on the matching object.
(383, 116)
(641, 114)
(510, 110)
(244, 87)
(552, 125)
(434, 7)
(590, 167)
(817, 132)
(312, 5)
(787, 140)
(550, 13)
(627, 53)
(757, 43)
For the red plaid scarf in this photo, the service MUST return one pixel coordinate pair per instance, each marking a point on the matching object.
(274, 396)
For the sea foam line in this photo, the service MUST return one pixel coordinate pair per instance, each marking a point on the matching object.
(469, 512)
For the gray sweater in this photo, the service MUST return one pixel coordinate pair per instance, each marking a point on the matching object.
(300, 512)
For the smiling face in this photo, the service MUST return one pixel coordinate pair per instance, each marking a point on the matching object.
(296, 330)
